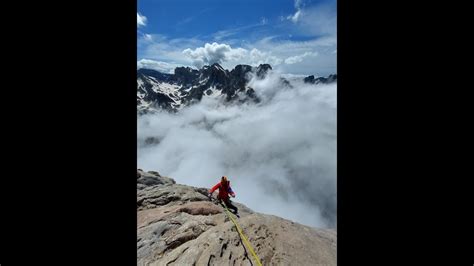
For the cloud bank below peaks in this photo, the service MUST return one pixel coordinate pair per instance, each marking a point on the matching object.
(280, 155)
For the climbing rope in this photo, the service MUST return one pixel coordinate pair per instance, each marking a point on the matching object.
(246, 242)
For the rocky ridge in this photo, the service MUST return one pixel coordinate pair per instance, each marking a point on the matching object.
(178, 225)
(171, 92)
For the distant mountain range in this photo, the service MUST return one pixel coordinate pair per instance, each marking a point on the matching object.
(172, 92)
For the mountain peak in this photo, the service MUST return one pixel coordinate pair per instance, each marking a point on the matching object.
(264, 66)
(263, 69)
(217, 66)
(171, 92)
(242, 68)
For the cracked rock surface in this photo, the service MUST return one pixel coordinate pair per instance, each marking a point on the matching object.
(178, 225)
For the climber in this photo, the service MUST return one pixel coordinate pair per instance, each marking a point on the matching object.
(224, 191)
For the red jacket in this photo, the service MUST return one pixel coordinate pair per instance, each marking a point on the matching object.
(224, 191)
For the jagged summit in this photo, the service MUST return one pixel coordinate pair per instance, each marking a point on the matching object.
(263, 69)
(171, 92)
(218, 67)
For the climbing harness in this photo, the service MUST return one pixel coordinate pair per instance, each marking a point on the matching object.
(246, 242)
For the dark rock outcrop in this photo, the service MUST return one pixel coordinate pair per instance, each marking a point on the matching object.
(262, 70)
(185, 75)
(321, 80)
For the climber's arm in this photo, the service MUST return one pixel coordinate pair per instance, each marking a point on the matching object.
(214, 188)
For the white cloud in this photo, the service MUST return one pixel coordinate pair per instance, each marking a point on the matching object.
(319, 20)
(281, 151)
(229, 47)
(257, 57)
(294, 17)
(163, 67)
(291, 51)
(298, 58)
(141, 20)
(315, 20)
(222, 34)
(148, 37)
(224, 53)
(159, 47)
(213, 53)
(270, 50)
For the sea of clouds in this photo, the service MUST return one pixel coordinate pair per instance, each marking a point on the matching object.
(280, 154)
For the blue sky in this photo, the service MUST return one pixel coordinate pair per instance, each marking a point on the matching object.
(294, 36)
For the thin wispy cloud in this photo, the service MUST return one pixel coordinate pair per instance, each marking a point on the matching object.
(302, 41)
(285, 55)
(161, 66)
(315, 20)
(141, 20)
(148, 37)
(319, 20)
(191, 18)
(222, 34)
(296, 16)
(298, 58)
(161, 48)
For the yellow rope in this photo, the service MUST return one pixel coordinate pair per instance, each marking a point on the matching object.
(246, 242)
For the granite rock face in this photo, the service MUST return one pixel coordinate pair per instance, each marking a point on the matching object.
(178, 225)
